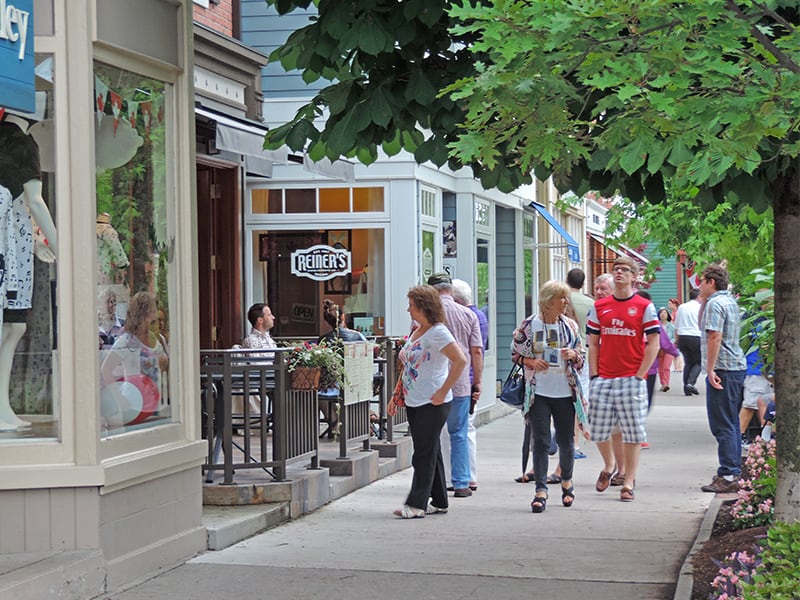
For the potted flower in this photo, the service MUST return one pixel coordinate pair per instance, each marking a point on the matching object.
(315, 366)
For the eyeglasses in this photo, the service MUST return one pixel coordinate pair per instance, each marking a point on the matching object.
(622, 269)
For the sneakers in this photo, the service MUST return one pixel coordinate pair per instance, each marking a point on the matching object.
(664, 388)
(720, 485)
(645, 445)
(435, 510)
(579, 454)
(409, 512)
(462, 492)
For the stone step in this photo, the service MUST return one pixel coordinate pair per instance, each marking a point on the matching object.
(76, 574)
(228, 525)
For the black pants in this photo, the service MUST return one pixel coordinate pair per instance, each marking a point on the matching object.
(689, 346)
(425, 423)
(562, 411)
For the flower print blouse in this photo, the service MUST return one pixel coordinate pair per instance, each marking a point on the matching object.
(425, 368)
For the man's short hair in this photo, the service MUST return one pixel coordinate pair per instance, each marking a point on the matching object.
(628, 262)
(441, 281)
(255, 312)
(462, 293)
(576, 279)
(694, 293)
(718, 274)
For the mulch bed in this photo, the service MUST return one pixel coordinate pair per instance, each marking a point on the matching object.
(723, 541)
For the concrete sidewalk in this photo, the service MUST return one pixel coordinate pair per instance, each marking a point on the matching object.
(487, 546)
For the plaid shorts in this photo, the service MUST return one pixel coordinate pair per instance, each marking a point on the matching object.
(621, 401)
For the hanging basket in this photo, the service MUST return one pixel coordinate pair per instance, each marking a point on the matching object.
(305, 378)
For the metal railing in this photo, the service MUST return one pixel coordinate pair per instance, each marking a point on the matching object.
(290, 416)
(279, 425)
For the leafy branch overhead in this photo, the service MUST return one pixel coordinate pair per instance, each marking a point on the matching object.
(605, 95)
(387, 62)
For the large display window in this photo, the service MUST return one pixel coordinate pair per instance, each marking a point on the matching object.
(28, 248)
(133, 249)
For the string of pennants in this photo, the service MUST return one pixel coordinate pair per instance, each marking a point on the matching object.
(151, 111)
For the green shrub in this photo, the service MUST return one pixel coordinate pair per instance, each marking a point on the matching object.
(778, 576)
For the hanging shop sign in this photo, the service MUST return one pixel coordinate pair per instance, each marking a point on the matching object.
(17, 84)
(321, 262)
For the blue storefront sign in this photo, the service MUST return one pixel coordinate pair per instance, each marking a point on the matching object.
(17, 85)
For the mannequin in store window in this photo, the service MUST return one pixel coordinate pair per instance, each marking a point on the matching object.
(20, 201)
(111, 257)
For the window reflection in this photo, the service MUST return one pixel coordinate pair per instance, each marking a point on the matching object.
(132, 249)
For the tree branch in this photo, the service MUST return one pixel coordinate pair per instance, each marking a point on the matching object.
(782, 59)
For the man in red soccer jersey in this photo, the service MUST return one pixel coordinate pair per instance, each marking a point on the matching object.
(618, 364)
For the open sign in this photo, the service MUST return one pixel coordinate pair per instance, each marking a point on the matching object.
(321, 262)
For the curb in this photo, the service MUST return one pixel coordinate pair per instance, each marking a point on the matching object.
(683, 590)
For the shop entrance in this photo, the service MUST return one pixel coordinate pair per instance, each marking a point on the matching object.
(294, 300)
(220, 320)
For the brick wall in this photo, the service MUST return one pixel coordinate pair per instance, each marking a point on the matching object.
(218, 17)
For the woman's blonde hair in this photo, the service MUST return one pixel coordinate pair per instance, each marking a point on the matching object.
(141, 306)
(551, 290)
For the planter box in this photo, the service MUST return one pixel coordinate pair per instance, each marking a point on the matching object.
(305, 378)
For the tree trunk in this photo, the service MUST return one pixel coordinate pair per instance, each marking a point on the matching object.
(787, 346)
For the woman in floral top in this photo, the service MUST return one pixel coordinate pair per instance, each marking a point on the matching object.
(432, 362)
(549, 344)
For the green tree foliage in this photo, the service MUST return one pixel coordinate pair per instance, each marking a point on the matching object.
(387, 62)
(624, 96)
(725, 232)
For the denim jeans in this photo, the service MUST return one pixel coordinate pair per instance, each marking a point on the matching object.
(723, 407)
(562, 411)
(458, 428)
(425, 423)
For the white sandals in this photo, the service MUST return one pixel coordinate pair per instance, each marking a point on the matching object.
(409, 512)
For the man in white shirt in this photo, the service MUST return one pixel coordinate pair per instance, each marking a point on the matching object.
(687, 334)
(261, 319)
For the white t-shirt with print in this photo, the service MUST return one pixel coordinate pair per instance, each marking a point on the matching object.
(425, 368)
(549, 339)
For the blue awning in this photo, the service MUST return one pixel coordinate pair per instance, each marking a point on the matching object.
(573, 251)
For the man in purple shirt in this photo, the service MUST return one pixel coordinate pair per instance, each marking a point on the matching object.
(463, 324)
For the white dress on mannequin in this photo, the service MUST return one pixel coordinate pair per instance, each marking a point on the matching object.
(19, 248)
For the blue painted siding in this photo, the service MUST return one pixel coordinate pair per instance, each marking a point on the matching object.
(264, 29)
(506, 283)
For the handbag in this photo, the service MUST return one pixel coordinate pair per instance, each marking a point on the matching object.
(397, 395)
(513, 391)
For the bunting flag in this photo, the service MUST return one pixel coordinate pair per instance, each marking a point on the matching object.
(100, 94)
(133, 108)
(142, 113)
(158, 108)
(145, 108)
(116, 108)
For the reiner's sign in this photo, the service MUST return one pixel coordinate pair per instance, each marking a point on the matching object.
(321, 262)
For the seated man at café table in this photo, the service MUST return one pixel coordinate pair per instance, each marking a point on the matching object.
(261, 321)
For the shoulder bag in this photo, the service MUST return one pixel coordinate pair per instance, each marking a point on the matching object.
(513, 392)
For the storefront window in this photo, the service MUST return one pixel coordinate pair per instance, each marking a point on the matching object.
(334, 200)
(28, 346)
(296, 300)
(368, 199)
(133, 249)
